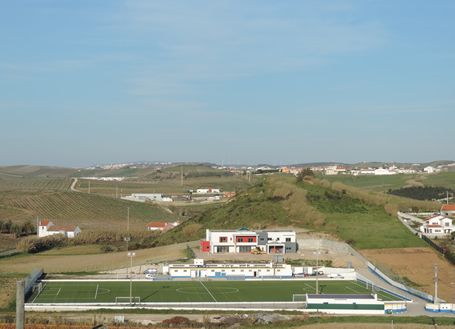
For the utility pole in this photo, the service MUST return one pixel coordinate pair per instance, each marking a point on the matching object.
(435, 283)
(126, 240)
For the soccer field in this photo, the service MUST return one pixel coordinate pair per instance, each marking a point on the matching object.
(194, 291)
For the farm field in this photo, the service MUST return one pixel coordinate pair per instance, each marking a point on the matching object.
(194, 291)
(417, 265)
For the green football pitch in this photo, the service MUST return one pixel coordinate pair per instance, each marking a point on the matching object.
(193, 291)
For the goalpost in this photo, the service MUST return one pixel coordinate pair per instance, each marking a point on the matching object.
(40, 286)
(126, 300)
(299, 297)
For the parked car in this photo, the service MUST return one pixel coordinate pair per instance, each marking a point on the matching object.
(319, 273)
(335, 276)
(149, 276)
(151, 271)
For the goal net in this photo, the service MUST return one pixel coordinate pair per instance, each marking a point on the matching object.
(299, 297)
(126, 300)
(126, 276)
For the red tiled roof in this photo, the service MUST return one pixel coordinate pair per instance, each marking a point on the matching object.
(67, 228)
(432, 217)
(156, 224)
(45, 222)
(434, 225)
(168, 227)
(448, 207)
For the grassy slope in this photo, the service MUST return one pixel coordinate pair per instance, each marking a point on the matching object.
(368, 224)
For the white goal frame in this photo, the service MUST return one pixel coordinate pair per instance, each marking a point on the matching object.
(126, 276)
(300, 295)
(135, 300)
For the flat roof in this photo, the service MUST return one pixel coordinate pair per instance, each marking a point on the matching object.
(340, 296)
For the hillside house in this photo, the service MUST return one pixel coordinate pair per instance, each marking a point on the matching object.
(47, 228)
(162, 226)
(243, 240)
(143, 197)
(437, 226)
(448, 210)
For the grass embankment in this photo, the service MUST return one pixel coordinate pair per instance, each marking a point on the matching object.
(358, 217)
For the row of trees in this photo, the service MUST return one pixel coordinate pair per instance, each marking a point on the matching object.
(9, 227)
(422, 193)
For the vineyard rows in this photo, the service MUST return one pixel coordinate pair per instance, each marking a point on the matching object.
(74, 206)
(37, 184)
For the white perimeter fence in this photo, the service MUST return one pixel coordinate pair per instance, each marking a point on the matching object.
(347, 249)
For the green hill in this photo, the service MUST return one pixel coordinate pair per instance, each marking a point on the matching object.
(357, 217)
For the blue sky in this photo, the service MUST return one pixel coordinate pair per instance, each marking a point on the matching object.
(96, 82)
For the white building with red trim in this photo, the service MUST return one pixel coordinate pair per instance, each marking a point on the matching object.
(244, 241)
(437, 226)
(47, 228)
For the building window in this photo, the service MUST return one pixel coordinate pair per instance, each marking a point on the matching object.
(288, 248)
(239, 239)
(242, 270)
(277, 239)
(184, 270)
(245, 249)
(288, 239)
(223, 239)
(222, 249)
(261, 239)
(269, 239)
(176, 270)
(447, 224)
(250, 240)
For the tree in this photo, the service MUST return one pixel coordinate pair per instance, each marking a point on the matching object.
(307, 172)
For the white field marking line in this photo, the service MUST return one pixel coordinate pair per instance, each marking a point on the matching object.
(96, 293)
(58, 291)
(353, 290)
(311, 287)
(103, 291)
(209, 292)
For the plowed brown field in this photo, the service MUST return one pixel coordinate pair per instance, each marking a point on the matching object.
(417, 265)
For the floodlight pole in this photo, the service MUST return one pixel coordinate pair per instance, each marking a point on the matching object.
(126, 240)
(131, 255)
(317, 270)
(436, 283)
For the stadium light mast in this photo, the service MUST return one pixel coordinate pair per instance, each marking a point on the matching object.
(317, 253)
(131, 255)
(436, 283)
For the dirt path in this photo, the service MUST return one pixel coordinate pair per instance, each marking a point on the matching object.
(74, 184)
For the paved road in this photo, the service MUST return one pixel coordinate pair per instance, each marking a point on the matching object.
(413, 218)
(7, 252)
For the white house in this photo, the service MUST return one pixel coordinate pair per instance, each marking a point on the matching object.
(162, 226)
(47, 228)
(437, 226)
(244, 241)
(430, 169)
(382, 171)
(207, 190)
(448, 210)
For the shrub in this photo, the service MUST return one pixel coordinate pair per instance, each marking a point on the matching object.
(350, 241)
(332, 226)
(33, 244)
(106, 249)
